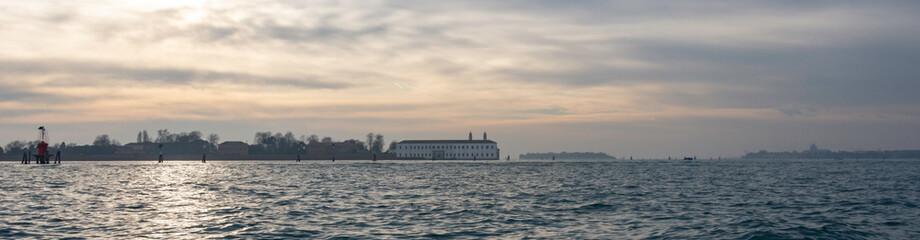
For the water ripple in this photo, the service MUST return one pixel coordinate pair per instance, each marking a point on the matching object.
(782, 199)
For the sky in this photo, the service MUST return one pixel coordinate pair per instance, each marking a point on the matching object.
(648, 79)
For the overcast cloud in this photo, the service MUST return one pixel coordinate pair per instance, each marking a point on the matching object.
(624, 77)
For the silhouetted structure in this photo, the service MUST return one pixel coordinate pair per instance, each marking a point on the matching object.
(233, 148)
(448, 149)
(814, 152)
(567, 155)
(160, 148)
(136, 150)
(42, 157)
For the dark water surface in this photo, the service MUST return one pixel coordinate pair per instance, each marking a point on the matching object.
(777, 199)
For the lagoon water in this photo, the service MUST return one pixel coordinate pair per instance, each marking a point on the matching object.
(729, 199)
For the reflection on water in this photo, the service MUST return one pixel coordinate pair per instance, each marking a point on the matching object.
(424, 200)
(177, 196)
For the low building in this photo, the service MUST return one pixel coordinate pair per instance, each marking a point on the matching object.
(133, 149)
(233, 148)
(448, 149)
(330, 148)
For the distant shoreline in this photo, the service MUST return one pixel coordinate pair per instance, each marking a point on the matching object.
(215, 157)
(565, 155)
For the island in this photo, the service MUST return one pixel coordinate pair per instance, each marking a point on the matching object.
(816, 153)
(566, 155)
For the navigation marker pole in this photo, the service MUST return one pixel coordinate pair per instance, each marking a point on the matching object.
(160, 147)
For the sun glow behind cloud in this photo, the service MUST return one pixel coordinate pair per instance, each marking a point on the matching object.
(418, 66)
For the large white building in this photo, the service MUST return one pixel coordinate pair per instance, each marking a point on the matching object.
(449, 149)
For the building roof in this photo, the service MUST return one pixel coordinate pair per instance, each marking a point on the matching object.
(232, 142)
(140, 143)
(330, 143)
(444, 141)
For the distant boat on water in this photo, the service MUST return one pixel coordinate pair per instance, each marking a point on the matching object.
(689, 158)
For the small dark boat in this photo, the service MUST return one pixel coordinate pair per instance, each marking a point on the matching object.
(689, 158)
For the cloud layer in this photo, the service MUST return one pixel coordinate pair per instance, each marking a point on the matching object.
(460, 65)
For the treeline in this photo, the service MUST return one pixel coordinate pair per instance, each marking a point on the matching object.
(893, 154)
(268, 143)
(183, 143)
(567, 155)
(195, 142)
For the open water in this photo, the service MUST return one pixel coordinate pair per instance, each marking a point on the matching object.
(740, 199)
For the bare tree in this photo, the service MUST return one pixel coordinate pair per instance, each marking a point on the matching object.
(313, 138)
(378, 143)
(213, 139)
(327, 139)
(146, 137)
(370, 141)
(163, 136)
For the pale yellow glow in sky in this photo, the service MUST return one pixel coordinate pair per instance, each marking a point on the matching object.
(411, 67)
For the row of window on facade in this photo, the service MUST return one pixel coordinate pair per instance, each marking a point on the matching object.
(447, 147)
(451, 155)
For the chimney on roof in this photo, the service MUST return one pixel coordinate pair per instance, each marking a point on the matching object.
(471, 136)
(484, 136)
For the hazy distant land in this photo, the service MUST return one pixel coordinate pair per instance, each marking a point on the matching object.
(567, 155)
(892, 154)
(815, 153)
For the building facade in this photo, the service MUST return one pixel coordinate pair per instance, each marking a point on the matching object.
(448, 149)
(330, 148)
(135, 149)
(233, 148)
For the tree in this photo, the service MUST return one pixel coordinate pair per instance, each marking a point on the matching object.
(16, 146)
(359, 145)
(213, 140)
(186, 137)
(313, 138)
(163, 136)
(378, 143)
(262, 137)
(140, 137)
(194, 136)
(1, 150)
(102, 140)
(146, 138)
(266, 142)
(370, 142)
(392, 146)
